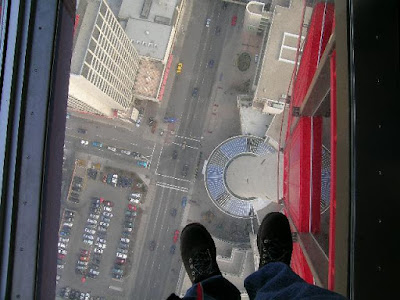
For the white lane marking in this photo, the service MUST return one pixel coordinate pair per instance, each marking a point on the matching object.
(180, 145)
(172, 187)
(187, 138)
(159, 157)
(151, 157)
(167, 176)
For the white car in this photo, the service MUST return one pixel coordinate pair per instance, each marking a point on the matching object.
(107, 208)
(89, 242)
(128, 229)
(136, 195)
(90, 231)
(104, 224)
(88, 237)
(68, 224)
(120, 255)
(94, 216)
(125, 240)
(138, 122)
(126, 152)
(208, 21)
(62, 251)
(63, 240)
(98, 250)
(113, 149)
(94, 272)
(134, 200)
(100, 240)
(107, 214)
(84, 143)
(62, 245)
(101, 246)
(91, 221)
(60, 266)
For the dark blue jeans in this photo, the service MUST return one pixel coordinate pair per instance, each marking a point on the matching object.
(273, 281)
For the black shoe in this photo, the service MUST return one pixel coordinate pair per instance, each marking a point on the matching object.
(274, 239)
(198, 253)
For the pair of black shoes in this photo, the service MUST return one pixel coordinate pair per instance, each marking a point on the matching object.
(274, 242)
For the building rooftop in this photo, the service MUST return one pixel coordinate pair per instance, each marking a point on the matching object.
(278, 62)
(149, 21)
(148, 78)
(150, 39)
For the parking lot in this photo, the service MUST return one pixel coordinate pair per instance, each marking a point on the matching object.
(97, 229)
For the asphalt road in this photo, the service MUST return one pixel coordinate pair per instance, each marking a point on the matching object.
(158, 271)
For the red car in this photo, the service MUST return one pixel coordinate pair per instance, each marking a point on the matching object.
(84, 258)
(84, 252)
(61, 256)
(120, 261)
(234, 19)
(132, 207)
(176, 236)
(109, 203)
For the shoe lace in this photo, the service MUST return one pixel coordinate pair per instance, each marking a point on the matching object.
(201, 263)
(272, 251)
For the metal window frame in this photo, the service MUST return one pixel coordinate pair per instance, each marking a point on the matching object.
(35, 75)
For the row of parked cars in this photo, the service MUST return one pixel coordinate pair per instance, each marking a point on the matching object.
(118, 270)
(69, 293)
(76, 188)
(67, 222)
(94, 236)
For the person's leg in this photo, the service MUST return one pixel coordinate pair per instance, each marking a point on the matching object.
(200, 260)
(275, 279)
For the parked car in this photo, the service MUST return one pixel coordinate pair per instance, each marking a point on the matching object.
(120, 261)
(63, 240)
(84, 252)
(104, 224)
(62, 245)
(100, 240)
(126, 152)
(208, 21)
(134, 200)
(88, 236)
(113, 149)
(89, 242)
(94, 216)
(101, 246)
(89, 231)
(135, 195)
(84, 142)
(92, 221)
(125, 240)
(97, 144)
(185, 170)
(142, 163)
(109, 203)
(120, 255)
(98, 250)
(256, 58)
(172, 249)
(107, 214)
(169, 120)
(195, 92)
(107, 209)
(81, 130)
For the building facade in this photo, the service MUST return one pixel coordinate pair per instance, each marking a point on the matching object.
(104, 63)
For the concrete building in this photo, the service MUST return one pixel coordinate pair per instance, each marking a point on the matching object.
(150, 25)
(256, 17)
(278, 60)
(104, 63)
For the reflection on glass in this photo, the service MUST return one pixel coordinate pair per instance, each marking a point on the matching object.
(178, 112)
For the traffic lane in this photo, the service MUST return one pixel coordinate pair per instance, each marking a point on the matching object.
(106, 153)
(150, 258)
(110, 135)
(163, 258)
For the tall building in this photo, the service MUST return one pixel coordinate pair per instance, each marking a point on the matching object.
(104, 62)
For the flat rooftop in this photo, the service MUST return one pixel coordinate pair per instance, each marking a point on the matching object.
(278, 62)
(150, 23)
(148, 78)
(149, 39)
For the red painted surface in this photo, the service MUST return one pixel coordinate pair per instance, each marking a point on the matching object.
(76, 23)
(316, 174)
(299, 264)
(298, 157)
(165, 78)
(302, 180)
(331, 273)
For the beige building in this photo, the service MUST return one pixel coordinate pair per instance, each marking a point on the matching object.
(278, 60)
(256, 17)
(104, 63)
